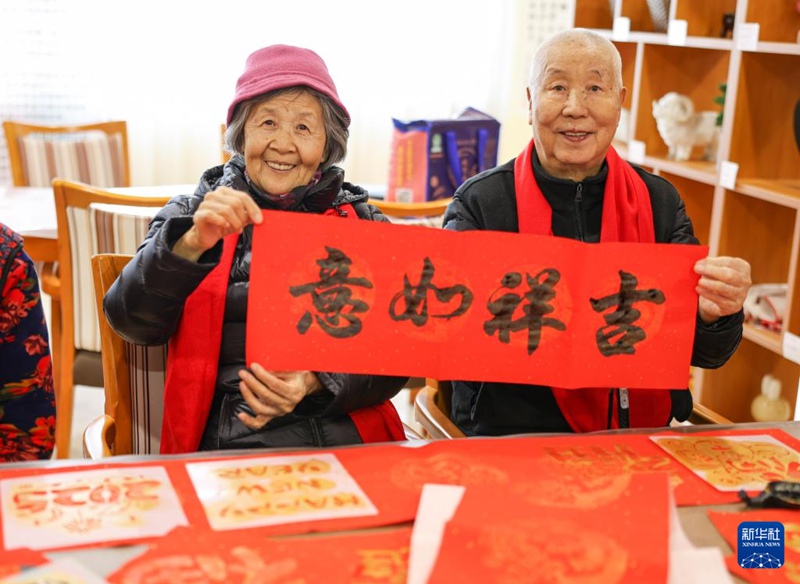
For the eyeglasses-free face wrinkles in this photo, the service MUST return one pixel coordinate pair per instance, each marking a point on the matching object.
(284, 142)
(575, 109)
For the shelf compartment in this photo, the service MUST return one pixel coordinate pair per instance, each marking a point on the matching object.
(770, 340)
(699, 200)
(697, 170)
(791, 322)
(763, 143)
(759, 231)
(705, 19)
(731, 389)
(628, 53)
(694, 72)
(782, 192)
(639, 13)
(593, 14)
(778, 20)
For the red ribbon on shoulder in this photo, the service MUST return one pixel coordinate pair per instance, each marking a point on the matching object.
(627, 216)
(193, 358)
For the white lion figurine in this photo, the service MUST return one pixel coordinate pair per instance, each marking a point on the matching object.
(682, 129)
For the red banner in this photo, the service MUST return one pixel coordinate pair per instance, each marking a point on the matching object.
(376, 298)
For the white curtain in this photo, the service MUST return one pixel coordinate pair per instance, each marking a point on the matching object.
(169, 67)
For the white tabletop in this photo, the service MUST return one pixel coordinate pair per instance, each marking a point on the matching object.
(31, 211)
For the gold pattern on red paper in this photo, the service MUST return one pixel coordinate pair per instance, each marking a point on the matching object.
(389, 566)
(564, 552)
(573, 491)
(729, 463)
(445, 469)
(81, 506)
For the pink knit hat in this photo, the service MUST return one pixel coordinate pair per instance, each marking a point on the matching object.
(279, 66)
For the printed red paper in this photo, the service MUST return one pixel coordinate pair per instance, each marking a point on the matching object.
(374, 557)
(12, 563)
(264, 491)
(62, 571)
(620, 534)
(733, 463)
(362, 297)
(86, 507)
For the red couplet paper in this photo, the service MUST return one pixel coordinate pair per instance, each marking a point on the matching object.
(328, 294)
(364, 297)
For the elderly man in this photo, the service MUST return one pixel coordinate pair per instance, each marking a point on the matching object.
(570, 182)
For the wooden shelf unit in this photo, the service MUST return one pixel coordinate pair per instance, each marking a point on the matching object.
(758, 218)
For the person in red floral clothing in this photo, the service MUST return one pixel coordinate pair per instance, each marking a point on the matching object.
(27, 399)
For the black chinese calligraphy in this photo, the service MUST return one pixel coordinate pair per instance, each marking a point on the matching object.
(503, 303)
(620, 334)
(332, 298)
(415, 298)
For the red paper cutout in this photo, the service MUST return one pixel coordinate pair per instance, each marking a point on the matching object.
(506, 538)
(11, 563)
(186, 555)
(322, 298)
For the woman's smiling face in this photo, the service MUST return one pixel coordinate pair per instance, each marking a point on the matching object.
(284, 141)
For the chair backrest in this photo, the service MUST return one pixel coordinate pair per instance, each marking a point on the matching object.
(95, 154)
(225, 154)
(703, 415)
(429, 213)
(87, 224)
(432, 408)
(134, 375)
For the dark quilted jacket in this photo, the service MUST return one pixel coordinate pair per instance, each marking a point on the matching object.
(488, 201)
(145, 304)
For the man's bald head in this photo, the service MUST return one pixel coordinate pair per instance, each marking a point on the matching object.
(568, 40)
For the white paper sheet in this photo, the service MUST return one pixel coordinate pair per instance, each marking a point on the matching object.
(437, 504)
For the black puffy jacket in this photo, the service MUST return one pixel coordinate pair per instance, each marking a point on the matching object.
(145, 304)
(488, 201)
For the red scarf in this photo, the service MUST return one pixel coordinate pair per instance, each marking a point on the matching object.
(627, 216)
(193, 357)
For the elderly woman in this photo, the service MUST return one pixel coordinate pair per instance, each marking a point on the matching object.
(188, 283)
(27, 399)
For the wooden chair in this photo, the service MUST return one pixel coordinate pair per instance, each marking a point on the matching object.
(134, 378)
(134, 382)
(225, 154)
(429, 213)
(83, 230)
(432, 408)
(95, 154)
(703, 415)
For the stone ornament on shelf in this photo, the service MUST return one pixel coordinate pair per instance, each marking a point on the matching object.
(682, 128)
